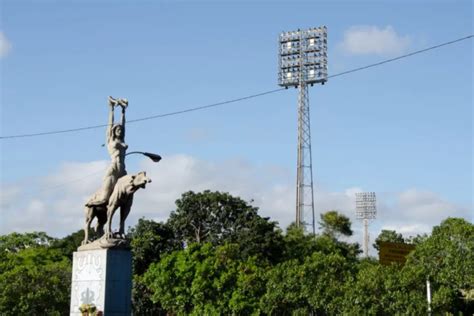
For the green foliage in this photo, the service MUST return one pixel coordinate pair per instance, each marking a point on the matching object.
(141, 299)
(69, 244)
(388, 236)
(149, 240)
(315, 286)
(316, 275)
(217, 256)
(284, 289)
(35, 281)
(206, 280)
(15, 242)
(220, 218)
(335, 224)
(383, 290)
(209, 216)
(446, 258)
(415, 240)
(297, 244)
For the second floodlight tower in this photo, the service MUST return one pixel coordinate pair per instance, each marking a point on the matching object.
(303, 62)
(366, 209)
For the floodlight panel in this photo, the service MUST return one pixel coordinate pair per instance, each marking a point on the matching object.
(366, 205)
(306, 49)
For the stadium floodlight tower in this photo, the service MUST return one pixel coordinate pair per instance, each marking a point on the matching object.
(303, 62)
(366, 209)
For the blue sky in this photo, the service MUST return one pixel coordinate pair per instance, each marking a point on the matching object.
(403, 130)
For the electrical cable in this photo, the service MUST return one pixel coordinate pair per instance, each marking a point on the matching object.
(237, 99)
(144, 118)
(401, 57)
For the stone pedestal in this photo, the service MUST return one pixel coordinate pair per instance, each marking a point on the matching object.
(102, 277)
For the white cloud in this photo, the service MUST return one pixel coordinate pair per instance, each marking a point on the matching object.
(415, 211)
(365, 40)
(8, 194)
(410, 229)
(5, 45)
(57, 207)
(80, 177)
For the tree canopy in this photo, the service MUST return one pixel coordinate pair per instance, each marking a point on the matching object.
(216, 255)
(388, 235)
(335, 224)
(35, 278)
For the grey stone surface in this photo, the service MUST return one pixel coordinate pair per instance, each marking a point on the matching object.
(116, 146)
(102, 277)
(104, 243)
(117, 188)
(122, 197)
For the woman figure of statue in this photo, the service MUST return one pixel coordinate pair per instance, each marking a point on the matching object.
(115, 140)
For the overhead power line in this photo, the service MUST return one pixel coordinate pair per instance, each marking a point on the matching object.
(237, 99)
(145, 118)
(402, 56)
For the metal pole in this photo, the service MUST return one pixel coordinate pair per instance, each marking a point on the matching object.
(300, 153)
(299, 163)
(304, 178)
(366, 237)
(428, 295)
(366, 209)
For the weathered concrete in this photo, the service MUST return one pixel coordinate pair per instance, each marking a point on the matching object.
(102, 277)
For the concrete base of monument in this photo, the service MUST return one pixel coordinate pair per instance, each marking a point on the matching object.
(102, 277)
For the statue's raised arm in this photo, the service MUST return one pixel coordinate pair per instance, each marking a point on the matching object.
(112, 103)
(123, 104)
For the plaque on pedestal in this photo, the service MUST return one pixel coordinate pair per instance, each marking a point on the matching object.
(102, 277)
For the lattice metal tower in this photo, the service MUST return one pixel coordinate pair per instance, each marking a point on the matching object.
(303, 62)
(366, 209)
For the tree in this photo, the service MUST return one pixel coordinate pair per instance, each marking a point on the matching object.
(249, 288)
(446, 258)
(35, 281)
(383, 290)
(388, 236)
(298, 245)
(284, 293)
(335, 224)
(15, 242)
(69, 244)
(315, 286)
(418, 239)
(149, 241)
(209, 216)
(260, 238)
(206, 280)
(171, 278)
(220, 218)
(325, 282)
